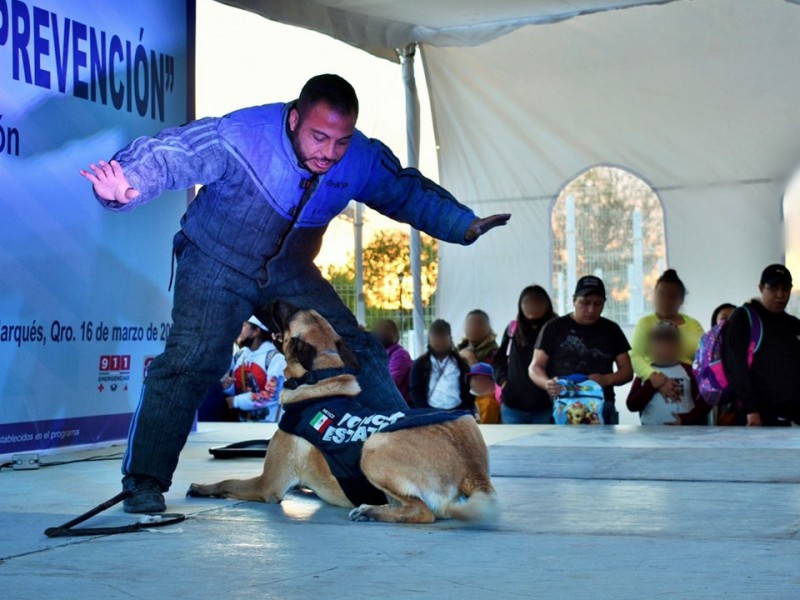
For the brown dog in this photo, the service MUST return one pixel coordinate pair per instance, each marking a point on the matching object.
(410, 471)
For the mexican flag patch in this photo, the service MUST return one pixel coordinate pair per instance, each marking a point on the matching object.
(322, 420)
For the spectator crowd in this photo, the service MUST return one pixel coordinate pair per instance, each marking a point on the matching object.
(517, 381)
(742, 371)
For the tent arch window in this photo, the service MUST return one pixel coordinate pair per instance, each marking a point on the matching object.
(608, 221)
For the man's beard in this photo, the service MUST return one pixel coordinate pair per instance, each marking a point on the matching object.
(306, 161)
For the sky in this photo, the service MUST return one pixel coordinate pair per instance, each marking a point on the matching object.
(244, 60)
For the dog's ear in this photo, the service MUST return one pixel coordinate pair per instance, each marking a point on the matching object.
(278, 315)
(347, 355)
(302, 352)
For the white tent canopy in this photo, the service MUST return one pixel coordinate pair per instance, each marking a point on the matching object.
(699, 98)
(382, 26)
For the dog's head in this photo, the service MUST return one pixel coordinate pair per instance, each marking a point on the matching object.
(307, 340)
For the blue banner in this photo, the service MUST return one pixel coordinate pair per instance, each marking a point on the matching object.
(84, 304)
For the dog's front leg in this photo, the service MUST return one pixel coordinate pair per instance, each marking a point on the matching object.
(409, 510)
(278, 477)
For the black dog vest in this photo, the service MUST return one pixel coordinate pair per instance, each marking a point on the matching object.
(339, 426)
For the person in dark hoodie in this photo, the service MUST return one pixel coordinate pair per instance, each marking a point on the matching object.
(523, 401)
(766, 391)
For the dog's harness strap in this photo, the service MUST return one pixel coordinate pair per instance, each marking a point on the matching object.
(66, 530)
(312, 377)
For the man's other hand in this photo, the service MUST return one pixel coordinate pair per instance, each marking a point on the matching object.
(481, 226)
(109, 182)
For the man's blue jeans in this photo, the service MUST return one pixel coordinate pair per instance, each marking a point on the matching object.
(211, 302)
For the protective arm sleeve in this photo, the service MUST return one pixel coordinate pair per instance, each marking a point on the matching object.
(174, 159)
(406, 196)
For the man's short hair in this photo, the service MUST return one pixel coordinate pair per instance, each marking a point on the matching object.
(331, 89)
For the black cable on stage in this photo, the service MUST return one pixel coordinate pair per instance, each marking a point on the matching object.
(67, 529)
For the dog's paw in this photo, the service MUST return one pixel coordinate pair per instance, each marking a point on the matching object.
(197, 490)
(362, 513)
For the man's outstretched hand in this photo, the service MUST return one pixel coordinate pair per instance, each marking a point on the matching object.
(109, 182)
(481, 226)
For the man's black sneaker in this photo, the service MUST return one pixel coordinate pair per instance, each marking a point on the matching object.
(146, 497)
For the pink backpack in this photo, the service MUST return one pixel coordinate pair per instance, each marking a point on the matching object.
(511, 330)
(708, 368)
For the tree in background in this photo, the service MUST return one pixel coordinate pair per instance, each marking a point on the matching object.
(605, 200)
(387, 270)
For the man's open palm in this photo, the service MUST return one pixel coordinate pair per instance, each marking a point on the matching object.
(481, 226)
(109, 182)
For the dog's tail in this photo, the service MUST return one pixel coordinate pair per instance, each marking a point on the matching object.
(480, 508)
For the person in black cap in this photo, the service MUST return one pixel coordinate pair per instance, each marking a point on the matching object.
(584, 342)
(766, 392)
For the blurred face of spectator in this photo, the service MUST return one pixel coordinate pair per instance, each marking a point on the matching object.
(248, 335)
(477, 328)
(533, 307)
(440, 343)
(724, 315)
(668, 300)
(385, 333)
(588, 308)
(481, 385)
(665, 350)
(775, 297)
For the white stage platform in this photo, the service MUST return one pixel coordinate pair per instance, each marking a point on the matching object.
(587, 512)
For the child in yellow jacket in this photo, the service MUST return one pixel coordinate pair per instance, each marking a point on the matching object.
(483, 387)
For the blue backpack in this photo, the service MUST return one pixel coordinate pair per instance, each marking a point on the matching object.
(580, 403)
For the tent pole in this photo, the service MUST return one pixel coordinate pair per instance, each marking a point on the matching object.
(358, 231)
(412, 143)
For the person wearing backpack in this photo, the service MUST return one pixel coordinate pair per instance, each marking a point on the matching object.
(523, 401)
(765, 391)
(722, 313)
(251, 388)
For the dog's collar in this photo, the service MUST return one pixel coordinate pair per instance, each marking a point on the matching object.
(315, 376)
